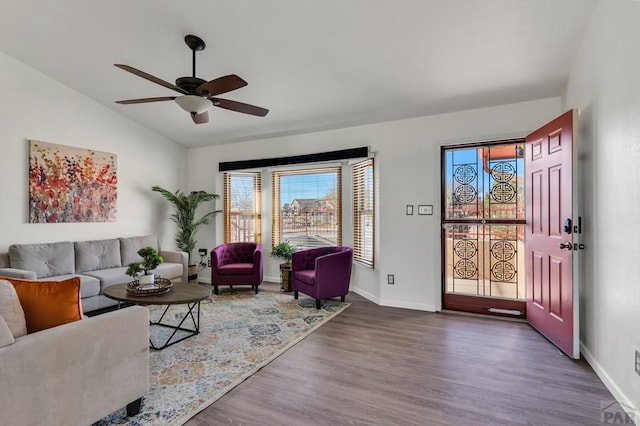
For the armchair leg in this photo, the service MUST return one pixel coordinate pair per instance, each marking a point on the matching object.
(342, 298)
(295, 294)
(215, 289)
(317, 303)
(133, 408)
(256, 287)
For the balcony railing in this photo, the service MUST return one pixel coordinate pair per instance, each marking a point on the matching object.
(308, 229)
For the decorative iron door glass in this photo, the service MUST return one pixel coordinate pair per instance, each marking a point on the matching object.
(483, 221)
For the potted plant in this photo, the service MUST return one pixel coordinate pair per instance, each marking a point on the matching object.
(185, 206)
(150, 260)
(284, 250)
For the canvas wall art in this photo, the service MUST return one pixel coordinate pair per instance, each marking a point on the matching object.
(68, 184)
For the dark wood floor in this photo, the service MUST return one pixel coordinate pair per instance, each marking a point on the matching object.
(373, 365)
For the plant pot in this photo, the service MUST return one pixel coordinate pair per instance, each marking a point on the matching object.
(146, 279)
(285, 277)
(193, 274)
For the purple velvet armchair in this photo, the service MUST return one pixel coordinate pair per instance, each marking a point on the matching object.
(322, 273)
(236, 264)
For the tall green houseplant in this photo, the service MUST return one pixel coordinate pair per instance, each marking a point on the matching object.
(185, 206)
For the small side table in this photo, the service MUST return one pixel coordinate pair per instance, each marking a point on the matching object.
(285, 277)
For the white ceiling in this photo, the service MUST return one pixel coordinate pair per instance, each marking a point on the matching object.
(315, 64)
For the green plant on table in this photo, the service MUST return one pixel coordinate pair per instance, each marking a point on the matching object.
(150, 260)
(283, 250)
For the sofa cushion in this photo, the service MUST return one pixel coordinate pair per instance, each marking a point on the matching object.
(129, 248)
(4, 260)
(169, 270)
(11, 310)
(48, 304)
(46, 260)
(6, 337)
(89, 286)
(307, 276)
(236, 269)
(97, 254)
(110, 276)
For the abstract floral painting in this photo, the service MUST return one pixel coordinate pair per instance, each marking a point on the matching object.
(68, 184)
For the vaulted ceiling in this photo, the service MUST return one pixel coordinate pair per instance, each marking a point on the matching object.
(315, 64)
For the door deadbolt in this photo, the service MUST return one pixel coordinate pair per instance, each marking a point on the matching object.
(570, 246)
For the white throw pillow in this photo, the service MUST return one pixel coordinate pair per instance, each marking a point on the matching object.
(11, 309)
(6, 338)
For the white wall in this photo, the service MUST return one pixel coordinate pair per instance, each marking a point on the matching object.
(605, 85)
(408, 163)
(36, 107)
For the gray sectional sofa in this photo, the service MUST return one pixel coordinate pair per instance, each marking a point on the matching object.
(98, 263)
(76, 373)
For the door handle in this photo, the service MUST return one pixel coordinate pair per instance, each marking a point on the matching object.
(567, 246)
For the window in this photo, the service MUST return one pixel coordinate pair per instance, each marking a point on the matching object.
(242, 196)
(307, 207)
(363, 212)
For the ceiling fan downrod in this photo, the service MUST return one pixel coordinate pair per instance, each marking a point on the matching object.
(196, 44)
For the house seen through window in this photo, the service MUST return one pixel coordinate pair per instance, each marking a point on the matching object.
(307, 207)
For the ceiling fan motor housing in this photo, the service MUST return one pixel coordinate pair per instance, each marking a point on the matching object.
(189, 84)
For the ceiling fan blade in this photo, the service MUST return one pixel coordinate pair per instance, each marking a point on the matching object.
(240, 107)
(145, 100)
(201, 118)
(150, 78)
(221, 85)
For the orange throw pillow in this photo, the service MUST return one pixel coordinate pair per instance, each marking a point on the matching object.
(48, 304)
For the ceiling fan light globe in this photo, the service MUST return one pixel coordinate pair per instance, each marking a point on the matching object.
(193, 104)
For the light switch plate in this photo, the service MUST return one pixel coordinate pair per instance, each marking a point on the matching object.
(425, 209)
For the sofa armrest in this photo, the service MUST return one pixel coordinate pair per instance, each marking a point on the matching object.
(177, 257)
(334, 270)
(257, 261)
(217, 256)
(77, 373)
(18, 273)
(257, 255)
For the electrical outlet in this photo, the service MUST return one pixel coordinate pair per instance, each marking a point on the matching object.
(391, 279)
(203, 252)
(638, 363)
(209, 262)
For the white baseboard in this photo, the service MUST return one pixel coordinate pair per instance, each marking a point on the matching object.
(394, 303)
(366, 295)
(626, 403)
(272, 279)
(408, 305)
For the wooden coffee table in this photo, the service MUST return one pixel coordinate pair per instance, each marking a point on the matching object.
(180, 294)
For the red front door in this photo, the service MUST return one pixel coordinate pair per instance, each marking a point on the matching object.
(552, 306)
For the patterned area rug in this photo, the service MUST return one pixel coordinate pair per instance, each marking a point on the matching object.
(240, 332)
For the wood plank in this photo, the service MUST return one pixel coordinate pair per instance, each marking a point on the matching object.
(386, 366)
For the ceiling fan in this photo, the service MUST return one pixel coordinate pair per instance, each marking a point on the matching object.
(197, 96)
